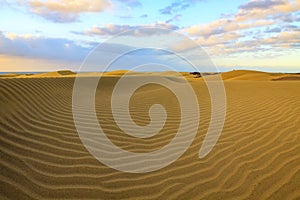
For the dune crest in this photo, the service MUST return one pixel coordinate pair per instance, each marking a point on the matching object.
(55, 74)
(235, 75)
(251, 75)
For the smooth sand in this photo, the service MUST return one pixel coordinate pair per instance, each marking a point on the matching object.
(256, 157)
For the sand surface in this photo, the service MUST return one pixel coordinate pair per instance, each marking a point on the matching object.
(256, 157)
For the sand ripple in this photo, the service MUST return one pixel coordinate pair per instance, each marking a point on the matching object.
(256, 157)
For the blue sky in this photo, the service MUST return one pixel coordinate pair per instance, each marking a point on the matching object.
(48, 35)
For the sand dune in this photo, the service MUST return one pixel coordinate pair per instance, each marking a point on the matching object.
(53, 74)
(9, 75)
(287, 78)
(257, 76)
(256, 157)
(231, 75)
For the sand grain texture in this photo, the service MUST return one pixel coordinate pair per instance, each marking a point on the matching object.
(256, 157)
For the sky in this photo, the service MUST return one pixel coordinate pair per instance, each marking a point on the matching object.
(50, 35)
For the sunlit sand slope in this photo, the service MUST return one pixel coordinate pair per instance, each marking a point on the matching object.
(258, 76)
(256, 157)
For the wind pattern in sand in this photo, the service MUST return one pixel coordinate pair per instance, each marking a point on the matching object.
(256, 157)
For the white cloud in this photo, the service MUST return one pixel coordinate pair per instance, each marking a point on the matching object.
(66, 10)
(34, 46)
(258, 26)
(113, 29)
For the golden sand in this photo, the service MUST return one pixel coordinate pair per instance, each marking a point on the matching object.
(256, 157)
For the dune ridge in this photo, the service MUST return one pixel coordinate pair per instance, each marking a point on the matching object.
(256, 157)
(252, 75)
(245, 75)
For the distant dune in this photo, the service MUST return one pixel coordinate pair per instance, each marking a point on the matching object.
(256, 157)
(257, 76)
(287, 78)
(249, 75)
(54, 74)
(9, 75)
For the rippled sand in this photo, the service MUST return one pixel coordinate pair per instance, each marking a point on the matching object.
(256, 157)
